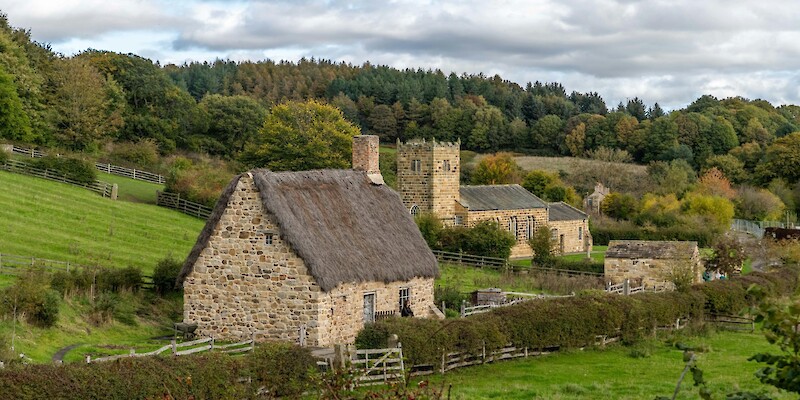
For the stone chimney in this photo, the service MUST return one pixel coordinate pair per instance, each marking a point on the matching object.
(365, 157)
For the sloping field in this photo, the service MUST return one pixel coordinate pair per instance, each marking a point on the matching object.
(571, 164)
(55, 221)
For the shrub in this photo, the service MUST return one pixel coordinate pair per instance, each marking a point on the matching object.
(70, 168)
(4, 156)
(451, 297)
(141, 154)
(281, 368)
(31, 296)
(165, 275)
(115, 280)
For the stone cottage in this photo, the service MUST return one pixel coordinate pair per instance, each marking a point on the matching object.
(651, 262)
(428, 179)
(320, 252)
(592, 202)
(569, 228)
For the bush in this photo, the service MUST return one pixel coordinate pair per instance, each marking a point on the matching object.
(116, 280)
(4, 156)
(70, 168)
(572, 322)
(165, 275)
(451, 297)
(31, 296)
(104, 279)
(142, 154)
(281, 368)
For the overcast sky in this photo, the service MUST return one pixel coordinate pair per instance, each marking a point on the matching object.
(669, 52)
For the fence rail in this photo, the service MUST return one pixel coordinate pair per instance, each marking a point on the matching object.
(107, 168)
(130, 173)
(732, 322)
(104, 189)
(378, 366)
(191, 347)
(11, 264)
(472, 260)
(175, 202)
(568, 272)
(756, 228)
(625, 288)
(472, 310)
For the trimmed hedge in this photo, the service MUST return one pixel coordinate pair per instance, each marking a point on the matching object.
(206, 376)
(601, 235)
(572, 322)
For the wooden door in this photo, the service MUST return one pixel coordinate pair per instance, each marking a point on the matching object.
(369, 307)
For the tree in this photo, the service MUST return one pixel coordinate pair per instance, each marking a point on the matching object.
(619, 206)
(780, 322)
(233, 120)
(576, 140)
(716, 211)
(496, 170)
(728, 256)
(537, 181)
(300, 136)
(430, 226)
(88, 107)
(758, 205)
(547, 131)
(662, 137)
(14, 122)
(673, 177)
(542, 244)
(488, 239)
(714, 182)
(729, 166)
(781, 160)
(383, 123)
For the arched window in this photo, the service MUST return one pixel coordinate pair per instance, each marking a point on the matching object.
(512, 226)
(415, 210)
(531, 228)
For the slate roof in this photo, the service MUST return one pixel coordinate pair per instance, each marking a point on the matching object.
(659, 250)
(498, 197)
(345, 228)
(561, 211)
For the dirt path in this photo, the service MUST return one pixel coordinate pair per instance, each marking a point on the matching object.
(59, 356)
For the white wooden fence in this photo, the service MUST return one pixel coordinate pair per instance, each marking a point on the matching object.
(472, 310)
(191, 347)
(175, 202)
(107, 168)
(625, 288)
(104, 189)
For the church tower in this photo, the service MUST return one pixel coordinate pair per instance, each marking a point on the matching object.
(428, 175)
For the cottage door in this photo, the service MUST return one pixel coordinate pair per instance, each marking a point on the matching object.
(369, 307)
(561, 244)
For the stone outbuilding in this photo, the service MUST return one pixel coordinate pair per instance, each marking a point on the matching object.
(321, 252)
(592, 202)
(428, 179)
(569, 228)
(651, 263)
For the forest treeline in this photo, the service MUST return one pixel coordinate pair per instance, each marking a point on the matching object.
(86, 101)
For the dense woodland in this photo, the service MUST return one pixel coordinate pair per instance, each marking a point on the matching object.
(98, 99)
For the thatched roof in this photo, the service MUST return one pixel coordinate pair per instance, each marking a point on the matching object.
(659, 250)
(561, 211)
(344, 227)
(498, 197)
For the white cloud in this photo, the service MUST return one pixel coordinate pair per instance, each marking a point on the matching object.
(666, 51)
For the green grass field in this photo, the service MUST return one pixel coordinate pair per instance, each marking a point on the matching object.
(44, 219)
(132, 190)
(467, 279)
(613, 374)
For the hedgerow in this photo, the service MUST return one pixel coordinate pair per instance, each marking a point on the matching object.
(575, 321)
(280, 369)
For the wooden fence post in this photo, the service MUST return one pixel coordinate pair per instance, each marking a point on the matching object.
(114, 191)
(174, 347)
(88, 359)
(626, 287)
(463, 308)
(443, 355)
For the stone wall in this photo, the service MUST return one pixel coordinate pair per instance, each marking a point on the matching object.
(576, 235)
(650, 272)
(241, 284)
(342, 309)
(521, 249)
(434, 188)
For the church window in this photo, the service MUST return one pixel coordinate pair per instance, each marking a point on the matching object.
(446, 165)
(416, 165)
(580, 233)
(531, 228)
(512, 226)
(415, 210)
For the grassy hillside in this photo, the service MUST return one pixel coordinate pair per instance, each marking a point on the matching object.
(51, 220)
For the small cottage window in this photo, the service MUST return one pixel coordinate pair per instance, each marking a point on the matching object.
(415, 210)
(268, 238)
(446, 165)
(459, 220)
(405, 296)
(580, 233)
(553, 234)
(416, 165)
